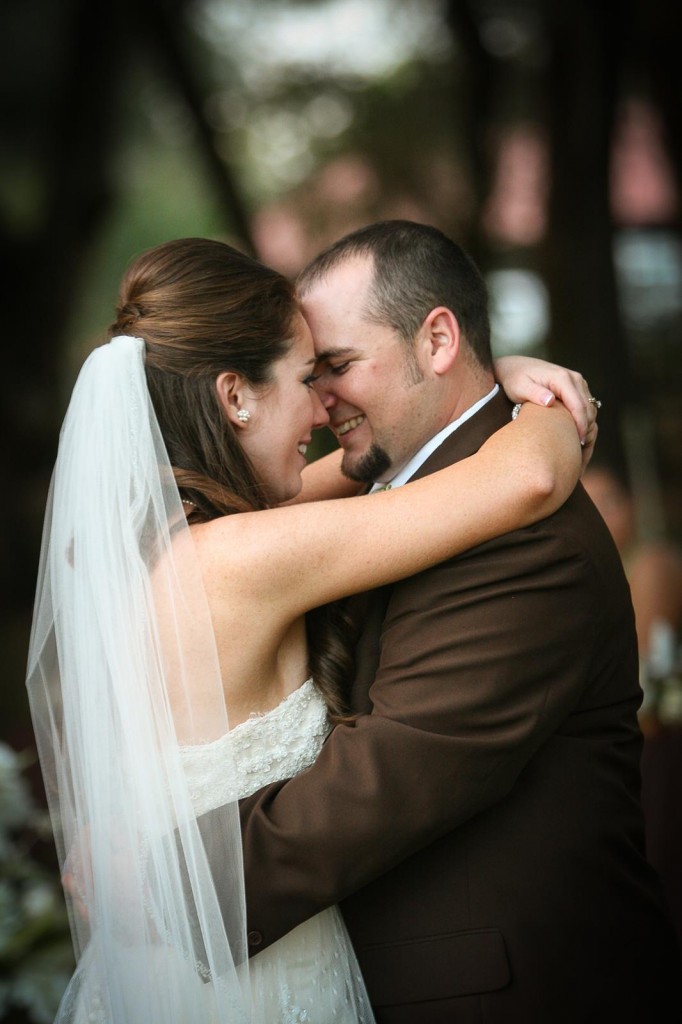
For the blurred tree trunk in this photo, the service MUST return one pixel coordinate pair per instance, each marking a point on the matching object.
(586, 331)
(482, 77)
(75, 128)
(67, 136)
(163, 30)
(657, 32)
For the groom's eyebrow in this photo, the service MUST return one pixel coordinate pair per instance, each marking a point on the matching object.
(332, 353)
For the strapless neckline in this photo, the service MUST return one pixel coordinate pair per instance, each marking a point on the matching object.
(282, 709)
(296, 696)
(267, 747)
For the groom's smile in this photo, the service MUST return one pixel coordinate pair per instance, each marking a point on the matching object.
(342, 428)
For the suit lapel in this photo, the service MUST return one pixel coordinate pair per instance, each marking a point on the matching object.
(468, 438)
(370, 608)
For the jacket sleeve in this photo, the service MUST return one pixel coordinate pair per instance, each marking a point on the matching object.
(482, 657)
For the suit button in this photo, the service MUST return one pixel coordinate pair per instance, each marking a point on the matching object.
(254, 938)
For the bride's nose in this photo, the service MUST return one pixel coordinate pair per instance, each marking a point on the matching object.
(325, 395)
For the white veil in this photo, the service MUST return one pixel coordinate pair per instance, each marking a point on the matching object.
(122, 672)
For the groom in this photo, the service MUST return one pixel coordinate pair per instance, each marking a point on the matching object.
(479, 824)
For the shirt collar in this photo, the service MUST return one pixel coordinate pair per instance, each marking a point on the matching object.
(420, 457)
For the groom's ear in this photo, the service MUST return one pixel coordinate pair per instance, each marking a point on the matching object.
(231, 390)
(442, 339)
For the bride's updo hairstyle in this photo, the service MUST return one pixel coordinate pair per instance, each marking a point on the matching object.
(202, 308)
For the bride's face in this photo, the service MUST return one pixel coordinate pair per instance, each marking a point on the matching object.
(283, 416)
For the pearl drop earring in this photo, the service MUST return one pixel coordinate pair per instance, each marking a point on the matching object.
(243, 415)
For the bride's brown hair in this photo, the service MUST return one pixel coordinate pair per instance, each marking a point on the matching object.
(202, 307)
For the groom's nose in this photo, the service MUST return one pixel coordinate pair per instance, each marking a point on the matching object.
(320, 414)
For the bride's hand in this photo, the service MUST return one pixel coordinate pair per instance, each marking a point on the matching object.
(78, 883)
(77, 873)
(525, 379)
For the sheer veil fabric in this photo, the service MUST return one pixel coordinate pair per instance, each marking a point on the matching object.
(123, 671)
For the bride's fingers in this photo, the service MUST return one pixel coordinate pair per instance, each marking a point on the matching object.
(588, 445)
(70, 886)
(77, 872)
(539, 394)
(568, 387)
(584, 407)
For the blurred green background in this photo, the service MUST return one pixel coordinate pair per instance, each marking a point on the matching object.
(542, 135)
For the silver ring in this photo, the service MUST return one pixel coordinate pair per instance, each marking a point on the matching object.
(594, 401)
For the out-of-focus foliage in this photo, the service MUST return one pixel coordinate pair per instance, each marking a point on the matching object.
(294, 83)
(36, 958)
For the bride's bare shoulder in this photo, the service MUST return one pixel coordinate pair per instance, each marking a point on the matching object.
(272, 552)
(224, 538)
(232, 546)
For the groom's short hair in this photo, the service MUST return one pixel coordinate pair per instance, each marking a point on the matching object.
(416, 268)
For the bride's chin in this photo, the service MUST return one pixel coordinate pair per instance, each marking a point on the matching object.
(289, 492)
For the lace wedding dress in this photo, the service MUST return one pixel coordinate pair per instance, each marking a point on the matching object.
(311, 975)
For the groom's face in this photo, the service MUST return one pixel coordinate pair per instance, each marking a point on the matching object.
(371, 384)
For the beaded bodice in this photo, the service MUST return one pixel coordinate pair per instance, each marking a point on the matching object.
(266, 748)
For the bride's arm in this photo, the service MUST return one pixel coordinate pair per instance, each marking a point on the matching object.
(298, 557)
(522, 378)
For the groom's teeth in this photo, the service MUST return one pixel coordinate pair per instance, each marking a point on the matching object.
(348, 425)
(302, 448)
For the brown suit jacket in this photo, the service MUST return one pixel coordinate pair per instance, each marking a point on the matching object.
(481, 824)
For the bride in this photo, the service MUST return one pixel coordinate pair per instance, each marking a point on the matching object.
(185, 578)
